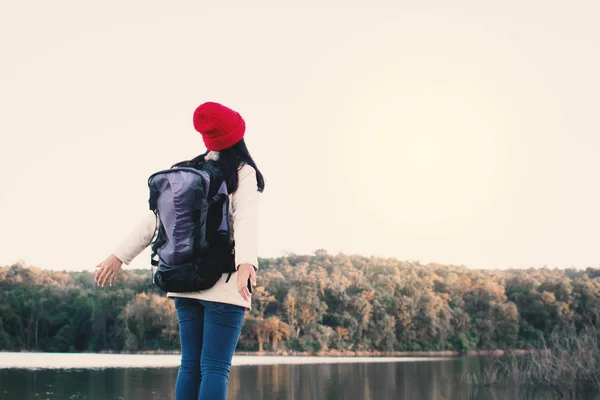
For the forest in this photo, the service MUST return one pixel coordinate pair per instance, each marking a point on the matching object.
(320, 303)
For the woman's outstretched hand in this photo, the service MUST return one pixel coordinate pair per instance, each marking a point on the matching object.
(108, 270)
(245, 272)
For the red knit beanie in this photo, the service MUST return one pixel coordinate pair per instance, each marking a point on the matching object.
(220, 126)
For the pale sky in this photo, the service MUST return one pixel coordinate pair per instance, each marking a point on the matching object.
(461, 132)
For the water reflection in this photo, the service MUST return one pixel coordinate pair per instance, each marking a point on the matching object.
(412, 380)
(427, 380)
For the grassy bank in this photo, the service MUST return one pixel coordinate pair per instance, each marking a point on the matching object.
(568, 362)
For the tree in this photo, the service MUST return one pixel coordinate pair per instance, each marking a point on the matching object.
(149, 322)
(278, 330)
(261, 299)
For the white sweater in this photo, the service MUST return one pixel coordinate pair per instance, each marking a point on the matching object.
(244, 215)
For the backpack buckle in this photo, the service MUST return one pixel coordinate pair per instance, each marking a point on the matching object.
(153, 200)
(219, 198)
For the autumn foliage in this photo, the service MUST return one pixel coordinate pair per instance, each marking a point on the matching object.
(309, 303)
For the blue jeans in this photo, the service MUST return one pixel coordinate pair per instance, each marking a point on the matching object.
(209, 333)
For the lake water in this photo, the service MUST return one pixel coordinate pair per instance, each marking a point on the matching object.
(25, 376)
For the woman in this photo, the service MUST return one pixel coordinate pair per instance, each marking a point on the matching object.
(210, 321)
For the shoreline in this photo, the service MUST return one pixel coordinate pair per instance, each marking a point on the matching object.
(75, 361)
(324, 354)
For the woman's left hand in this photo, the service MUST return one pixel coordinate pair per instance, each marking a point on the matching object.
(245, 272)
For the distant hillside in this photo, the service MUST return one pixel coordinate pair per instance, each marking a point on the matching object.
(308, 303)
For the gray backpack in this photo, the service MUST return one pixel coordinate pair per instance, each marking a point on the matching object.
(193, 247)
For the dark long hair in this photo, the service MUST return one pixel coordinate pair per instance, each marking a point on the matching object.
(230, 161)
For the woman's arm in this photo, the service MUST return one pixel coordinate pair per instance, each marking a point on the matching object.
(130, 248)
(137, 240)
(245, 218)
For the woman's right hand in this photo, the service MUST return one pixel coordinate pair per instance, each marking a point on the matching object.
(246, 274)
(108, 270)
